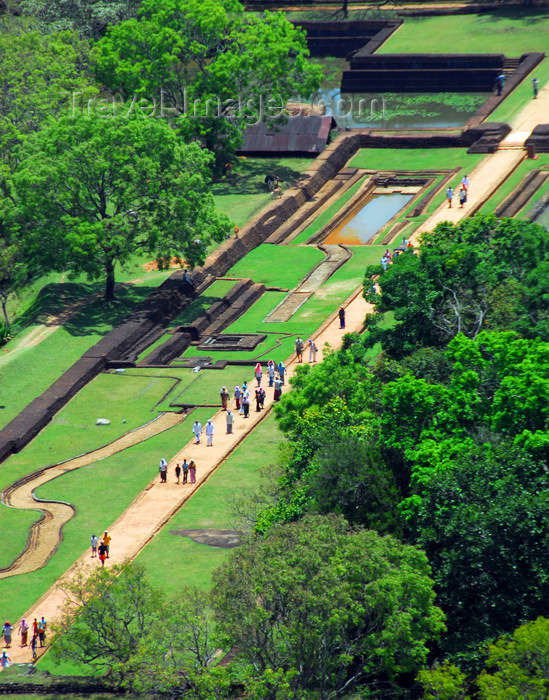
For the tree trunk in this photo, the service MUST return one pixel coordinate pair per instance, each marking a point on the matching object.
(344, 7)
(109, 287)
(5, 312)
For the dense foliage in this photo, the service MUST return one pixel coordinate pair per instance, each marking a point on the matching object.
(443, 439)
(480, 274)
(208, 65)
(89, 193)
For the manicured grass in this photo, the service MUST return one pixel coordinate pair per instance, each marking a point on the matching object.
(210, 507)
(542, 193)
(510, 30)
(244, 193)
(99, 492)
(278, 266)
(513, 181)
(196, 308)
(29, 367)
(415, 159)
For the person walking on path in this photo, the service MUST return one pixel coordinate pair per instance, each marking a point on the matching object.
(5, 660)
(34, 644)
(237, 396)
(465, 182)
(281, 371)
(312, 351)
(209, 433)
(6, 633)
(177, 473)
(185, 468)
(271, 369)
(35, 627)
(257, 400)
(230, 421)
(24, 629)
(261, 397)
(163, 469)
(277, 389)
(500, 82)
(94, 542)
(258, 373)
(224, 398)
(102, 553)
(246, 405)
(197, 430)
(462, 197)
(535, 87)
(192, 471)
(341, 314)
(107, 542)
(449, 196)
(42, 631)
(298, 351)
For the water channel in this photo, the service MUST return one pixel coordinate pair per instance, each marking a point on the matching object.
(369, 220)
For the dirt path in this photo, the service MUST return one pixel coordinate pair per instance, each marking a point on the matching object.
(152, 509)
(45, 535)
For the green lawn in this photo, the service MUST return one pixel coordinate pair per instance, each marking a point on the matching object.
(244, 193)
(415, 159)
(210, 507)
(278, 266)
(512, 31)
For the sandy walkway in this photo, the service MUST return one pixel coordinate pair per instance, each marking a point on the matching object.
(159, 502)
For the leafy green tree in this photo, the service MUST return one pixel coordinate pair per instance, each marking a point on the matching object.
(482, 273)
(209, 64)
(443, 682)
(13, 273)
(89, 18)
(331, 608)
(92, 192)
(38, 75)
(105, 618)
(518, 668)
(482, 520)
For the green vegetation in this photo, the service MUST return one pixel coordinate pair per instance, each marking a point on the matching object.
(507, 30)
(513, 181)
(244, 193)
(415, 159)
(277, 266)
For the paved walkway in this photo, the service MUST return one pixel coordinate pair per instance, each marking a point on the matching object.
(153, 508)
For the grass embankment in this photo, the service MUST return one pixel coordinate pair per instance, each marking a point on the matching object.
(513, 181)
(244, 193)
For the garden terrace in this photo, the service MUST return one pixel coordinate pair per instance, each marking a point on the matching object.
(344, 38)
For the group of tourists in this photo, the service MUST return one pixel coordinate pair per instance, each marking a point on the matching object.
(300, 347)
(462, 192)
(186, 472)
(38, 637)
(101, 549)
(209, 429)
(388, 257)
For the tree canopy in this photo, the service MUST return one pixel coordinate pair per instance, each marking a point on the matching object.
(329, 607)
(480, 274)
(88, 193)
(209, 64)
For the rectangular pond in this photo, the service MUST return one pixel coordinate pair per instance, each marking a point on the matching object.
(370, 219)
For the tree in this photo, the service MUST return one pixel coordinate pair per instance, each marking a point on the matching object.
(105, 618)
(209, 64)
(327, 607)
(443, 682)
(115, 622)
(92, 192)
(482, 520)
(13, 273)
(89, 18)
(518, 667)
(480, 274)
(38, 75)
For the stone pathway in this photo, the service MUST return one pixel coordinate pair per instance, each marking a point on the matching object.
(153, 508)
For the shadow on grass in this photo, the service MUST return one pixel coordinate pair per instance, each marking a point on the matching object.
(96, 317)
(251, 179)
